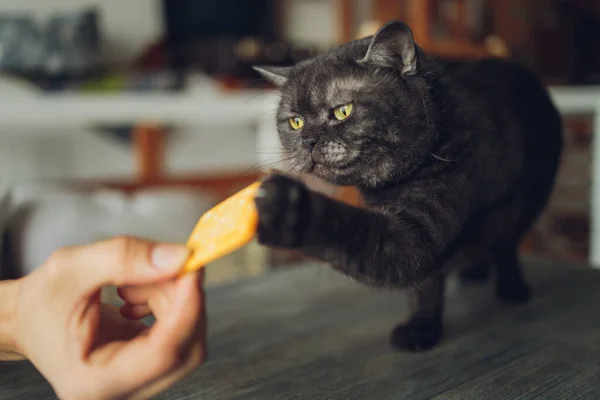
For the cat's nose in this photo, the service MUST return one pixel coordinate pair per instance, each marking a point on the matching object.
(310, 142)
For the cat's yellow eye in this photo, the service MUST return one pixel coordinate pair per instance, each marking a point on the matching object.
(296, 123)
(343, 112)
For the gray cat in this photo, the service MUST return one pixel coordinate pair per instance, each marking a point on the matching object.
(455, 161)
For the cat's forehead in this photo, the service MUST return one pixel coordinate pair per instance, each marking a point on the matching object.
(324, 86)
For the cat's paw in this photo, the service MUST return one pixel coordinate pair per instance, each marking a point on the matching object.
(417, 335)
(513, 292)
(283, 212)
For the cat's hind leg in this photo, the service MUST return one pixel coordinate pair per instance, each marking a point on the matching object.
(476, 273)
(506, 228)
(424, 329)
(510, 285)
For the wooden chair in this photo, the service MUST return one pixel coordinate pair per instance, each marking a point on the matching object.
(422, 16)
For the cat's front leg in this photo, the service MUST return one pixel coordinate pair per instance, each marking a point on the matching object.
(424, 328)
(294, 217)
(370, 247)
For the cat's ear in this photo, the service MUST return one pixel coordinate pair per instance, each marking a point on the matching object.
(393, 46)
(278, 76)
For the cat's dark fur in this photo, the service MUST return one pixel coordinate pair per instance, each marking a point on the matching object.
(454, 159)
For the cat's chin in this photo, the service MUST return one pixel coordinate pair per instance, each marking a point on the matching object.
(334, 176)
(340, 175)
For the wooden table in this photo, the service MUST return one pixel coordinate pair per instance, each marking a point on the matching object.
(309, 333)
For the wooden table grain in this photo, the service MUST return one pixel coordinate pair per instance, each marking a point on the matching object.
(309, 333)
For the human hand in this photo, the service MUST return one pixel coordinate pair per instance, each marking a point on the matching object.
(90, 350)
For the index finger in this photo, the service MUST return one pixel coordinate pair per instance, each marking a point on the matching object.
(118, 261)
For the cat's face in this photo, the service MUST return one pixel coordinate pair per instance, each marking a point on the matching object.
(353, 116)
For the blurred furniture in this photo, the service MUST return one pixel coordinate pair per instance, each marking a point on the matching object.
(201, 106)
(557, 39)
(310, 333)
(586, 100)
(425, 17)
(225, 38)
(66, 44)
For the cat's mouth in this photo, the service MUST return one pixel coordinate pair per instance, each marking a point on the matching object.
(339, 159)
(332, 166)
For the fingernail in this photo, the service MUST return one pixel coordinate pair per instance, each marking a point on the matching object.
(169, 256)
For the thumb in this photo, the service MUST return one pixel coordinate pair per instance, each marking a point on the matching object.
(119, 261)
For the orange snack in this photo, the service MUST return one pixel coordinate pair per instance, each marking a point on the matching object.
(223, 229)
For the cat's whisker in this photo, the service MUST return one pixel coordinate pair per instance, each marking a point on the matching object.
(263, 165)
(263, 94)
(276, 151)
(440, 158)
(427, 115)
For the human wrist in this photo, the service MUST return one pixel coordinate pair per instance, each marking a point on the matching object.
(9, 295)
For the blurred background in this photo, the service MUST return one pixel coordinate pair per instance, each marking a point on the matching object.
(135, 117)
